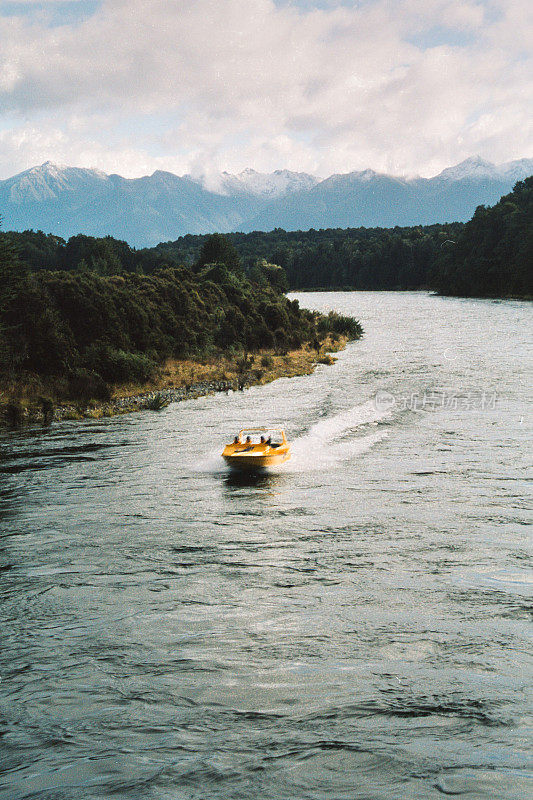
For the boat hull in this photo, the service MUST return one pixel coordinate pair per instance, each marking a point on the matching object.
(257, 450)
(256, 463)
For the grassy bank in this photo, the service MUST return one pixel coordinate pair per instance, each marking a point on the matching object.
(78, 342)
(253, 369)
(39, 400)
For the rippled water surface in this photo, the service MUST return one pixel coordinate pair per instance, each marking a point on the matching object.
(355, 626)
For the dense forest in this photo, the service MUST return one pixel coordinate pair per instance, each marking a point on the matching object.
(353, 258)
(90, 329)
(488, 256)
(493, 253)
(358, 258)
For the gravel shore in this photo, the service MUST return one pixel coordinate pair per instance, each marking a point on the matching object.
(15, 414)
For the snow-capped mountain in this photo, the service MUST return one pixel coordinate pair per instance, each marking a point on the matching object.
(49, 181)
(472, 168)
(516, 170)
(372, 199)
(163, 206)
(268, 186)
(477, 168)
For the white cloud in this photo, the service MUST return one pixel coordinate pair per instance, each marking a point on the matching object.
(250, 83)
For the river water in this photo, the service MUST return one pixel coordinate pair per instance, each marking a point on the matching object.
(353, 627)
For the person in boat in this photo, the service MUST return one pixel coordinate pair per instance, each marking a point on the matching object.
(236, 440)
(263, 440)
(248, 440)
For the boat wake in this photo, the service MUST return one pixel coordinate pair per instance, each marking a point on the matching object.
(340, 438)
(330, 441)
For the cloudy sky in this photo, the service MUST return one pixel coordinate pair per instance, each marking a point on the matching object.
(130, 86)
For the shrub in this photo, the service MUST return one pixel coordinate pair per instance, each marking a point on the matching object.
(84, 384)
(244, 364)
(157, 402)
(14, 413)
(47, 407)
(340, 324)
(118, 366)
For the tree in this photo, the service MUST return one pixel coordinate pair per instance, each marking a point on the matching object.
(13, 277)
(493, 254)
(217, 249)
(264, 273)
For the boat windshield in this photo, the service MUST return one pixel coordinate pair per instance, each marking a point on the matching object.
(261, 435)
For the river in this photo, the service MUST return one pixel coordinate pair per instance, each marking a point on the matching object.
(355, 627)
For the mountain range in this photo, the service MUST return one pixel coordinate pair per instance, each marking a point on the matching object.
(163, 206)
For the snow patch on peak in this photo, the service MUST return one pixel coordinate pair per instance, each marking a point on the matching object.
(516, 170)
(268, 186)
(478, 168)
(48, 181)
(473, 167)
(365, 175)
(346, 179)
(51, 167)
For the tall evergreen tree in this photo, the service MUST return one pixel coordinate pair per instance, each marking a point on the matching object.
(13, 276)
(218, 249)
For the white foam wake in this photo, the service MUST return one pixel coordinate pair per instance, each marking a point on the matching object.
(328, 441)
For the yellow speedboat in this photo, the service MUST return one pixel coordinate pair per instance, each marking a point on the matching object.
(256, 449)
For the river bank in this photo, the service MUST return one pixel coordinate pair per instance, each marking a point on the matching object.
(41, 403)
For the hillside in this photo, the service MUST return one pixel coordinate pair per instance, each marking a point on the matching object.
(67, 201)
(493, 254)
(490, 255)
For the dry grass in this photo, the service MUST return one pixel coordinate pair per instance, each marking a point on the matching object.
(180, 373)
(30, 389)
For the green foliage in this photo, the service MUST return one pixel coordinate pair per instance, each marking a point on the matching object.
(157, 402)
(340, 324)
(106, 256)
(353, 258)
(218, 249)
(118, 366)
(493, 254)
(36, 249)
(97, 330)
(84, 384)
(13, 413)
(266, 274)
(490, 255)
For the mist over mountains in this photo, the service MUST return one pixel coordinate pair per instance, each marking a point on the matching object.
(163, 206)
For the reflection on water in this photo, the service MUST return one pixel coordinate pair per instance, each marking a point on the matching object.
(354, 625)
(259, 480)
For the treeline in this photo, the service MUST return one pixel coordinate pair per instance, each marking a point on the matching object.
(89, 330)
(353, 258)
(493, 253)
(39, 251)
(358, 258)
(490, 256)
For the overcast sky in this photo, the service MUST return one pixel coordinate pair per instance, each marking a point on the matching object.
(323, 86)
